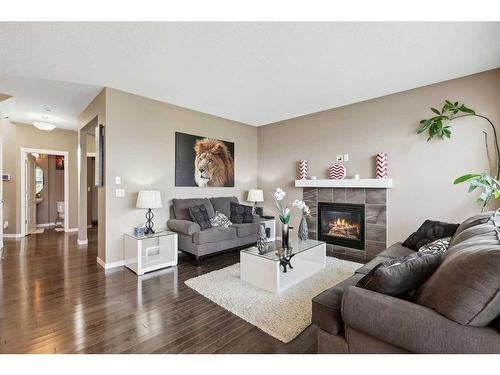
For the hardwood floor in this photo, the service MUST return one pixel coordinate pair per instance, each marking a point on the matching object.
(54, 298)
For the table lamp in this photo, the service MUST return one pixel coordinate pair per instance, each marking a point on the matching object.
(149, 199)
(255, 195)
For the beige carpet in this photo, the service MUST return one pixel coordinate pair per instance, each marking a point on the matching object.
(283, 316)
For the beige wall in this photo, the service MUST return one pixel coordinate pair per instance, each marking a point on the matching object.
(97, 108)
(140, 146)
(423, 172)
(17, 136)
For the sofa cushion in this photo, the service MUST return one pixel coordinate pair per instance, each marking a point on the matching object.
(326, 306)
(200, 216)
(466, 287)
(399, 276)
(396, 250)
(371, 264)
(183, 226)
(214, 235)
(438, 246)
(470, 222)
(220, 220)
(223, 204)
(181, 207)
(429, 231)
(246, 229)
(241, 213)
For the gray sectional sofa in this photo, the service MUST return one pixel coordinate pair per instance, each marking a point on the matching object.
(452, 312)
(202, 243)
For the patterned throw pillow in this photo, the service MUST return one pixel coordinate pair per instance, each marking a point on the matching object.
(429, 231)
(199, 215)
(220, 220)
(438, 246)
(240, 213)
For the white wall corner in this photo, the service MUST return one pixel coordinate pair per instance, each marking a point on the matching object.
(82, 242)
(108, 266)
(69, 230)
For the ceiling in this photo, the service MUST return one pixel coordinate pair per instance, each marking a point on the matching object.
(255, 73)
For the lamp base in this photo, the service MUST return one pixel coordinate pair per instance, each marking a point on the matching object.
(149, 222)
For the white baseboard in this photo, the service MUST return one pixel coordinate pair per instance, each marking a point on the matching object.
(82, 242)
(72, 230)
(107, 266)
(17, 235)
(45, 225)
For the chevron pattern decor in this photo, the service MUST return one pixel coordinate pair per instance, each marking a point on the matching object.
(382, 165)
(302, 169)
(337, 172)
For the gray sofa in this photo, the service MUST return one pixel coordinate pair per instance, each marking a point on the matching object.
(202, 243)
(355, 320)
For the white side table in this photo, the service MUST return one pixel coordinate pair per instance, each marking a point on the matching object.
(150, 252)
(271, 224)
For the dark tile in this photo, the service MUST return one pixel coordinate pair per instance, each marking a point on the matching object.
(329, 250)
(312, 235)
(375, 232)
(339, 194)
(373, 248)
(312, 223)
(376, 214)
(351, 258)
(325, 195)
(354, 195)
(377, 196)
(355, 254)
(338, 250)
(310, 194)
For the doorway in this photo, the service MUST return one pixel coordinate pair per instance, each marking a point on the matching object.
(31, 186)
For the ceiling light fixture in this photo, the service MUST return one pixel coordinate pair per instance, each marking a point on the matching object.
(44, 125)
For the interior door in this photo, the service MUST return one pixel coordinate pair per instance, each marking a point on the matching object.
(30, 194)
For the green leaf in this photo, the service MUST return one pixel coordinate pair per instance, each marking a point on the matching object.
(435, 111)
(472, 188)
(466, 110)
(465, 177)
(448, 102)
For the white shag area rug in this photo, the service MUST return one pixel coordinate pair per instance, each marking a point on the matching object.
(283, 316)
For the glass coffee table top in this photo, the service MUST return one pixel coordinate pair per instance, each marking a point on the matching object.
(273, 252)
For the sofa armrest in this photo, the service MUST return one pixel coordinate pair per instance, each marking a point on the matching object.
(256, 219)
(183, 226)
(413, 327)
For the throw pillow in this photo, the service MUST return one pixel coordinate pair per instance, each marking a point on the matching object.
(399, 276)
(466, 287)
(199, 214)
(429, 231)
(439, 246)
(241, 214)
(220, 220)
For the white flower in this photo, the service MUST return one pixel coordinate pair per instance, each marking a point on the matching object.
(286, 211)
(279, 194)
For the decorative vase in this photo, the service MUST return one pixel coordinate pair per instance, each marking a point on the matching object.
(337, 172)
(262, 244)
(303, 231)
(382, 165)
(285, 234)
(303, 169)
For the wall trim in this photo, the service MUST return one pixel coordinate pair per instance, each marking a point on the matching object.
(82, 242)
(108, 266)
(45, 225)
(16, 235)
(69, 230)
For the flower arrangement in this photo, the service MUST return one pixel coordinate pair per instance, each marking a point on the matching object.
(284, 209)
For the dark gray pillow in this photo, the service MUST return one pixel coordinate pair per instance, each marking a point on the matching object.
(466, 287)
(240, 213)
(199, 214)
(429, 231)
(399, 276)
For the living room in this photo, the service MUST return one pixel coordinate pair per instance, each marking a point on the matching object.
(255, 187)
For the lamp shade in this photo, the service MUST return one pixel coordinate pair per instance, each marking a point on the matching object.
(255, 195)
(149, 199)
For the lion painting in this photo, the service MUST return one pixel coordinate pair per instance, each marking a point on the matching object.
(213, 164)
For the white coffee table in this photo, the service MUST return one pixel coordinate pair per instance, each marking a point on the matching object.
(264, 270)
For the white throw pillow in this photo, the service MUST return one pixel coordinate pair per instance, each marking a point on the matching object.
(220, 220)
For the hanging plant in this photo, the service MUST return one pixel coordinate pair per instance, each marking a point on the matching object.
(437, 128)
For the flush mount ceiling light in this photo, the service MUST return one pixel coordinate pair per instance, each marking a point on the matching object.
(44, 125)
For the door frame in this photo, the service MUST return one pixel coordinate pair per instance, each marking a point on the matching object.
(24, 157)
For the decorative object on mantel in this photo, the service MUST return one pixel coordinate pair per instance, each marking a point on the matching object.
(303, 169)
(356, 176)
(436, 128)
(149, 199)
(313, 177)
(262, 244)
(303, 230)
(382, 165)
(285, 213)
(368, 183)
(337, 172)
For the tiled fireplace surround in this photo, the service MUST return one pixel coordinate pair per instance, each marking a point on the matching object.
(375, 201)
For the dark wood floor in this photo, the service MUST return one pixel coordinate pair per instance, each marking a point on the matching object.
(54, 298)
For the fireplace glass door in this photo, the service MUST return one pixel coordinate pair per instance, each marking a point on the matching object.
(342, 224)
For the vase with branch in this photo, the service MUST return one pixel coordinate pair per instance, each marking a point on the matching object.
(437, 128)
(284, 211)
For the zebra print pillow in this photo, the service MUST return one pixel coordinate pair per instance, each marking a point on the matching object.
(438, 246)
(220, 220)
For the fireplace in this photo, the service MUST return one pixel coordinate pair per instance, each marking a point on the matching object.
(342, 224)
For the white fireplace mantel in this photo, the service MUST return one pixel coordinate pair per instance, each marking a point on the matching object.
(368, 183)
